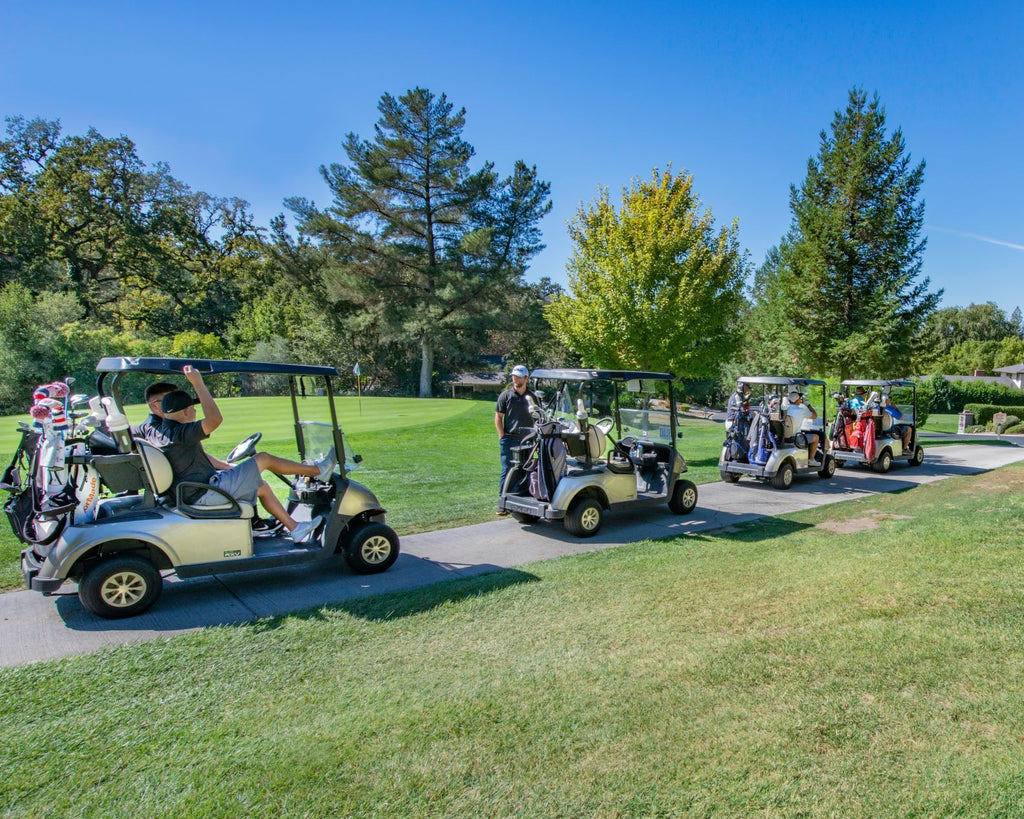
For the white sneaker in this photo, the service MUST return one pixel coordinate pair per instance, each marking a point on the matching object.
(301, 532)
(326, 466)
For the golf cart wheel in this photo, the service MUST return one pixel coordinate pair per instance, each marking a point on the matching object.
(884, 462)
(828, 468)
(120, 586)
(784, 477)
(729, 477)
(372, 549)
(918, 457)
(584, 517)
(684, 498)
(524, 517)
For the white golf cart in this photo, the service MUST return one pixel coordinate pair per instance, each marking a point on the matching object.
(137, 529)
(876, 424)
(603, 439)
(764, 441)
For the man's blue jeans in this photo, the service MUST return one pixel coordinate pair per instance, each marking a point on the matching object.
(505, 450)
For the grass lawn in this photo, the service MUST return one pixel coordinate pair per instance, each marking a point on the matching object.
(432, 462)
(941, 422)
(863, 659)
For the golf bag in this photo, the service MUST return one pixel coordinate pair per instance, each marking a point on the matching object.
(761, 440)
(737, 439)
(548, 462)
(50, 480)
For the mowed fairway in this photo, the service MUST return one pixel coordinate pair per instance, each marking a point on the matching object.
(863, 659)
(432, 462)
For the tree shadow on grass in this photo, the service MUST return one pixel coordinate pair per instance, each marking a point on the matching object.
(394, 605)
(753, 531)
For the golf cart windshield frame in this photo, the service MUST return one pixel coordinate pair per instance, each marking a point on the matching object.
(866, 382)
(583, 376)
(116, 367)
(784, 381)
(886, 387)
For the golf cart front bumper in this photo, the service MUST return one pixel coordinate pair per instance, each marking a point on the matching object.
(526, 505)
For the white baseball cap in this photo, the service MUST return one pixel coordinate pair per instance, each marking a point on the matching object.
(795, 396)
(521, 371)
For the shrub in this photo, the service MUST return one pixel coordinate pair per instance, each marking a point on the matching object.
(983, 412)
(1016, 429)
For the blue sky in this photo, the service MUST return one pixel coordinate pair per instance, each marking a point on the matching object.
(250, 99)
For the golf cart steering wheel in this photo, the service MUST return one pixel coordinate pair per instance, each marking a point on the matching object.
(245, 449)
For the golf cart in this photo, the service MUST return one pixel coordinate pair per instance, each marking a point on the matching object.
(876, 423)
(764, 440)
(603, 439)
(133, 528)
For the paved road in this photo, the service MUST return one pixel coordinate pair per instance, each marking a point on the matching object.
(34, 627)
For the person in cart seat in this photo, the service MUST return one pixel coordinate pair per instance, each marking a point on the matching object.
(898, 427)
(800, 413)
(179, 436)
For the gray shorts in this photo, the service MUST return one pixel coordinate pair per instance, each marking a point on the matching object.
(241, 482)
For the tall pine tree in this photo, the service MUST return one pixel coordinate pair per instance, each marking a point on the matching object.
(422, 248)
(850, 274)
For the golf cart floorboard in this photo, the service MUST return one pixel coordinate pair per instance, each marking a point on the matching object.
(266, 559)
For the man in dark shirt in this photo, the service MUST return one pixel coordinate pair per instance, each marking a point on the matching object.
(512, 420)
(180, 437)
(154, 395)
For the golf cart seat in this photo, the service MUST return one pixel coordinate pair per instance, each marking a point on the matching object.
(156, 467)
(591, 448)
(160, 476)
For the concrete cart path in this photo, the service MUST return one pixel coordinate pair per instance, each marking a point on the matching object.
(34, 627)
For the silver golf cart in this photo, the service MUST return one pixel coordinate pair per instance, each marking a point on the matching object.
(763, 441)
(138, 529)
(866, 432)
(603, 439)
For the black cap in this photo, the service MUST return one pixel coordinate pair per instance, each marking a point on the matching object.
(176, 401)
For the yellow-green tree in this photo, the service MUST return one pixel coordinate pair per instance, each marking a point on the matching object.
(653, 285)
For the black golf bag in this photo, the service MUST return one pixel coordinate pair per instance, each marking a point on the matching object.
(737, 444)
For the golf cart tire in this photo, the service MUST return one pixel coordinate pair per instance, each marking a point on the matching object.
(828, 468)
(918, 457)
(783, 479)
(729, 477)
(883, 462)
(684, 498)
(372, 549)
(584, 517)
(524, 517)
(120, 586)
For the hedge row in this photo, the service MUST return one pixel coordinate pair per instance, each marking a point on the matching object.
(983, 412)
(954, 396)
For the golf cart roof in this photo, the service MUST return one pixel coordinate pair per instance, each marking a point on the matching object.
(600, 375)
(867, 382)
(121, 364)
(779, 381)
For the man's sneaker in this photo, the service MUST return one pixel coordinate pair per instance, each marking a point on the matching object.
(326, 466)
(301, 532)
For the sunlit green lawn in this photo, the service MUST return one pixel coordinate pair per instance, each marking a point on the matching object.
(864, 659)
(432, 462)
